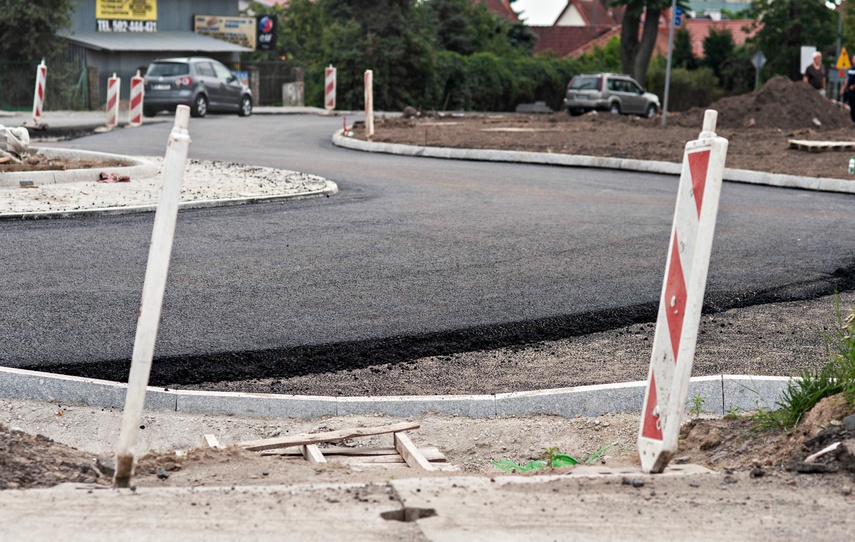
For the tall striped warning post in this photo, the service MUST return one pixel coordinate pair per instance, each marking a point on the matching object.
(329, 88)
(369, 103)
(113, 85)
(39, 94)
(682, 297)
(135, 107)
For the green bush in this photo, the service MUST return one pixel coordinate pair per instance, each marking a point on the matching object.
(696, 88)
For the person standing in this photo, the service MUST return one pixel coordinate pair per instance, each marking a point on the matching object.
(847, 92)
(815, 75)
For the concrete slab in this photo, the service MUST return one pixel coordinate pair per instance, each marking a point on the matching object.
(753, 392)
(475, 406)
(255, 405)
(36, 386)
(570, 402)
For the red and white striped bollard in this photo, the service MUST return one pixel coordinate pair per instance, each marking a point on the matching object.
(329, 87)
(135, 108)
(113, 85)
(39, 93)
(682, 297)
(369, 103)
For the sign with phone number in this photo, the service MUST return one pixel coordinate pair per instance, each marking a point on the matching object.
(125, 10)
(126, 26)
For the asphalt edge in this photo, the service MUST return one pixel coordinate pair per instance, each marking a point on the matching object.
(138, 168)
(719, 394)
(571, 160)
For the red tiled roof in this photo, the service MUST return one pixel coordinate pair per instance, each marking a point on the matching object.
(571, 40)
(502, 8)
(699, 29)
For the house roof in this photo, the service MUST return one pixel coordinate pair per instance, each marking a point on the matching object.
(699, 29)
(502, 8)
(565, 41)
(153, 41)
(592, 12)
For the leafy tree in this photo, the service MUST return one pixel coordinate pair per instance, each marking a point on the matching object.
(789, 24)
(718, 49)
(28, 28)
(684, 55)
(638, 37)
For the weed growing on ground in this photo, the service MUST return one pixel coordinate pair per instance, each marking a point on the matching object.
(696, 407)
(836, 376)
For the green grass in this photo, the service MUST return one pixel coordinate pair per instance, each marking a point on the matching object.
(836, 376)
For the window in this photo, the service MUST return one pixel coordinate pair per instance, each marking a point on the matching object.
(205, 69)
(168, 69)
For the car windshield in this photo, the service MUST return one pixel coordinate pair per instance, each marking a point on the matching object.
(584, 82)
(168, 69)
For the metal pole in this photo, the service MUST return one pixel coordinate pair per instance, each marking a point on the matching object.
(670, 55)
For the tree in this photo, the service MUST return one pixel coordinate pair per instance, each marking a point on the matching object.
(718, 49)
(789, 24)
(28, 28)
(637, 47)
(684, 56)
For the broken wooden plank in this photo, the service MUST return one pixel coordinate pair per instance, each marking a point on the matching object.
(314, 438)
(410, 453)
(212, 441)
(431, 453)
(312, 453)
(820, 146)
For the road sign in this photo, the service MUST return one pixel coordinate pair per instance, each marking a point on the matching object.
(758, 60)
(843, 62)
(682, 297)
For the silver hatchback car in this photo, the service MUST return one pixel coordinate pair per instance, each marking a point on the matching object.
(202, 83)
(609, 92)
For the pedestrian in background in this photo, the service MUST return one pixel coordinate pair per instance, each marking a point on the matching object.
(815, 75)
(847, 93)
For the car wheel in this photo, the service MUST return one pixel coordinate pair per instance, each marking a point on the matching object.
(615, 109)
(651, 111)
(148, 112)
(200, 106)
(245, 107)
(575, 111)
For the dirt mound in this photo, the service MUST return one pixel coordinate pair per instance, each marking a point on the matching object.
(28, 461)
(781, 104)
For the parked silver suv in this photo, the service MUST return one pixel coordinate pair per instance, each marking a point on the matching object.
(199, 82)
(609, 92)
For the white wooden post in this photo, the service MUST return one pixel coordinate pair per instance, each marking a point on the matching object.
(39, 93)
(135, 107)
(369, 104)
(114, 84)
(152, 295)
(682, 297)
(329, 88)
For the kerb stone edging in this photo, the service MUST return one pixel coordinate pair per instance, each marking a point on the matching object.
(718, 394)
(571, 160)
(137, 168)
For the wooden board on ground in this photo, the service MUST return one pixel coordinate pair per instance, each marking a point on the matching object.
(334, 453)
(313, 454)
(410, 453)
(821, 146)
(329, 436)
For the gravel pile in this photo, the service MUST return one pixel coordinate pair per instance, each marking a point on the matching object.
(203, 181)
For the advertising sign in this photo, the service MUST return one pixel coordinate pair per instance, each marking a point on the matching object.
(126, 15)
(266, 33)
(237, 30)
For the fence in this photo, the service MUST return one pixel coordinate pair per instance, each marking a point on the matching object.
(271, 77)
(66, 87)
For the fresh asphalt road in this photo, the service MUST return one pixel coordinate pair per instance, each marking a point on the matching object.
(413, 256)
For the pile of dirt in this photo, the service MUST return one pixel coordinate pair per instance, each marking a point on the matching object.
(43, 163)
(34, 461)
(781, 104)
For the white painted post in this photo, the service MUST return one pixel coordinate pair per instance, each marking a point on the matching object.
(135, 108)
(39, 93)
(329, 87)
(152, 295)
(113, 85)
(682, 297)
(369, 103)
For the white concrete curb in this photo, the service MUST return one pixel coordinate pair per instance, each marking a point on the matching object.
(136, 168)
(718, 394)
(570, 160)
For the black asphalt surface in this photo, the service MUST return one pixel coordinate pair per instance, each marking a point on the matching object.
(413, 257)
